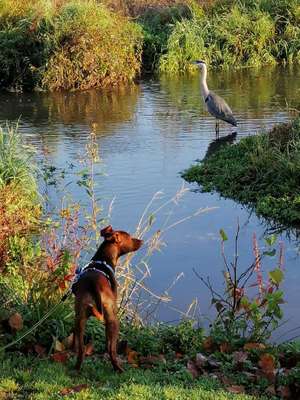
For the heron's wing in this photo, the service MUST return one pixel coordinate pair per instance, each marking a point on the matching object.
(219, 108)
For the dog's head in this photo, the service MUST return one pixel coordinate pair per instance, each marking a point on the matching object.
(121, 239)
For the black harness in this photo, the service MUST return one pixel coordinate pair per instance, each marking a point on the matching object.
(100, 267)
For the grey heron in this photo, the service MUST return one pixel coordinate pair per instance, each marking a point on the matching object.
(215, 105)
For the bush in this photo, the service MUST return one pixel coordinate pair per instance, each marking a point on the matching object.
(262, 171)
(234, 34)
(77, 45)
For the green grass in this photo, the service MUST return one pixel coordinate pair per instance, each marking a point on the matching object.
(40, 379)
(235, 34)
(66, 45)
(262, 171)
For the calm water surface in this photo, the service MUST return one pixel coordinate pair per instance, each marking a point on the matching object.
(147, 134)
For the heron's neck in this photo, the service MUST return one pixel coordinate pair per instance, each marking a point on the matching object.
(203, 84)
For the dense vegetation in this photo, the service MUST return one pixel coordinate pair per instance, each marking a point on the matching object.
(73, 44)
(262, 171)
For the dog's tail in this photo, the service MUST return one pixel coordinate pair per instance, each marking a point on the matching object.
(97, 297)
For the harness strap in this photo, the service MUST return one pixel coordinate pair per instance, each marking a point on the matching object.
(81, 271)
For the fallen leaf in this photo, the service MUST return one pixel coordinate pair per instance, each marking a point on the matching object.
(208, 344)
(239, 357)
(254, 346)
(192, 368)
(40, 350)
(60, 357)
(15, 321)
(89, 349)
(132, 358)
(74, 389)
(225, 347)
(267, 364)
(284, 392)
(150, 361)
(236, 389)
(68, 341)
(58, 346)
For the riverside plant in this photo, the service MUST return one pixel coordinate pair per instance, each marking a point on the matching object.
(249, 309)
(39, 268)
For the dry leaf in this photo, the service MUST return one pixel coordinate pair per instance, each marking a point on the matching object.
(225, 347)
(68, 341)
(89, 349)
(15, 321)
(192, 368)
(58, 346)
(74, 389)
(267, 364)
(132, 358)
(40, 350)
(236, 389)
(208, 344)
(61, 357)
(254, 346)
(284, 392)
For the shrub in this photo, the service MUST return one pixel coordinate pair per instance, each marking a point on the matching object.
(75, 45)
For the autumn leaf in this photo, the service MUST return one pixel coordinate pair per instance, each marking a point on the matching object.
(60, 357)
(58, 346)
(15, 321)
(267, 364)
(89, 349)
(68, 341)
(40, 350)
(236, 389)
(208, 344)
(132, 358)
(254, 346)
(74, 389)
(225, 347)
(192, 368)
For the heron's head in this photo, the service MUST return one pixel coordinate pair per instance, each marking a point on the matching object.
(200, 64)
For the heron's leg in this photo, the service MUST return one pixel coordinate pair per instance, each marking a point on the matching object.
(217, 129)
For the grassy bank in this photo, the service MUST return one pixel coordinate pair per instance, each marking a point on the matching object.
(73, 44)
(66, 45)
(262, 171)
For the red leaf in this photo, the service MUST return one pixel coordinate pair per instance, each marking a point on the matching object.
(15, 321)
(40, 350)
(89, 349)
(254, 346)
(267, 364)
(132, 358)
(61, 357)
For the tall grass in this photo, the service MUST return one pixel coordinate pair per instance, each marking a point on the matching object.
(237, 34)
(16, 161)
(68, 44)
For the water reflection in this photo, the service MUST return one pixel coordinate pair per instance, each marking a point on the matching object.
(147, 134)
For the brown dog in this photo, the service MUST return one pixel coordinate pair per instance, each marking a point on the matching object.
(96, 291)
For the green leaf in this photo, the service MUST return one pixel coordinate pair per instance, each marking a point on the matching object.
(223, 235)
(276, 276)
(270, 253)
(270, 240)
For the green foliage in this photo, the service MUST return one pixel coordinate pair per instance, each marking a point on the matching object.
(77, 45)
(262, 171)
(163, 339)
(234, 34)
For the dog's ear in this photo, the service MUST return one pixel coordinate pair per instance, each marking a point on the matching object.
(105, 232)
(113, 237)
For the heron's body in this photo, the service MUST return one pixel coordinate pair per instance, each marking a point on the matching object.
(216, 106)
